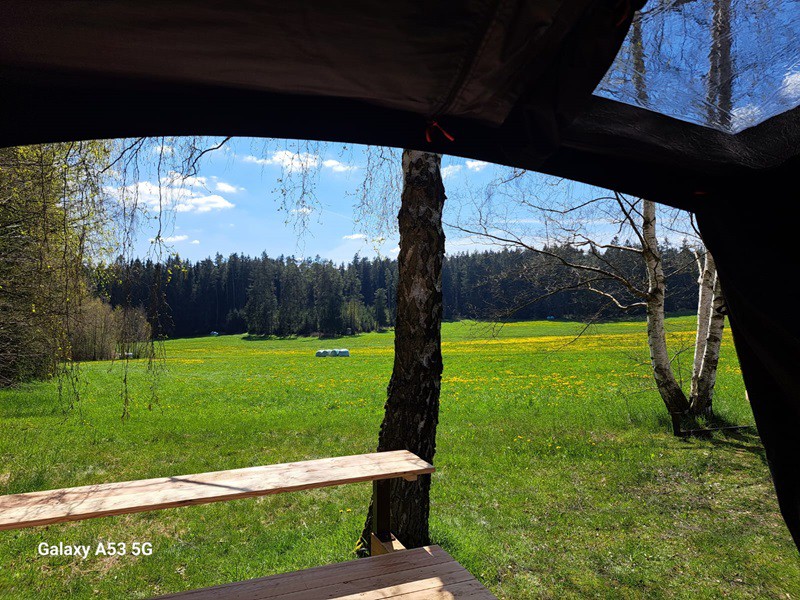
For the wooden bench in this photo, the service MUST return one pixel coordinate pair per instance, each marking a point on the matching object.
(411, 574)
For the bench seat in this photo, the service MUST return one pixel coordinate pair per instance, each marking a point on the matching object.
(427, 573)
(74, 504)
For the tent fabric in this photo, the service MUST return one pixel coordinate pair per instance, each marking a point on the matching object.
(272, 49)
(511, 81)
(765, 329)
(472, 59)
(650, 155)
(724, 64)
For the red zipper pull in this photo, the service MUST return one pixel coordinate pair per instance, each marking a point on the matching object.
(429, 132)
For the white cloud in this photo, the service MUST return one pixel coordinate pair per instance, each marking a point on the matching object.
(195, 242)
(163, 149)
(205, 183)
(179, 194)
(355, 236)
(526, 221)
(477, 165)
(288, 161)
(298, 161)
(450, 170)
(203, 204)
(304, 210)
(791, 85)
(395, 250)
(226, 188)
(172, 239)
(190, 181)
(338, 167)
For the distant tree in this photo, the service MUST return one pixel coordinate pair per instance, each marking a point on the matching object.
(292, 301)
(261, 309)
(95, 335)
(328, 299)
(235, 321)
(103, 333)
(379, 306)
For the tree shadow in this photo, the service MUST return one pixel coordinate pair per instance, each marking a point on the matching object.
(746, 440)
(277, 338)
(265, 338)
(741, 437)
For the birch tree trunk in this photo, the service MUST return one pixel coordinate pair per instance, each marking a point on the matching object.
(719, 100)
(708, 271)
(701, 403)
(412, 405)
(671, 393)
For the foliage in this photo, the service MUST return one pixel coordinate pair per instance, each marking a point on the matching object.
(285, 296)
(379, 306)
(557, 475)
(101, 332)
(52, 217)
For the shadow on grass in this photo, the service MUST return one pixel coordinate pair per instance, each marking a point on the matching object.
(276, 338)
(17, 404)
(266, 338)
(746, 440)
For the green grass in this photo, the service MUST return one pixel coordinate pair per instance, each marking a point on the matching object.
(557, 476)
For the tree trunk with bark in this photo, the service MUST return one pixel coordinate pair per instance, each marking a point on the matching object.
(707, 269)
(671, 393)
(701, 400)
(412, 405)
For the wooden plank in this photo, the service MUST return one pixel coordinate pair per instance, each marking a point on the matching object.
(384, 585)
(295, 581)
(460, 591)
(420, 573)
(73, 504)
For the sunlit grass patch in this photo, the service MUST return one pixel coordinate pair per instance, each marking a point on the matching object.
(557, 475)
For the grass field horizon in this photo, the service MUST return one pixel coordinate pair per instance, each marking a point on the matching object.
(557, 475)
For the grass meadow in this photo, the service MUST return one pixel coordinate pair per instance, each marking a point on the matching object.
(557, 475)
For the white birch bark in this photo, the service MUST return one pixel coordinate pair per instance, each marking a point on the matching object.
(707, 377)
(411, 413)
(708, 270)
(671, 393)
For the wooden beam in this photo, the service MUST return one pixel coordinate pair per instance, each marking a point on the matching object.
(381, 516)
(73, 504)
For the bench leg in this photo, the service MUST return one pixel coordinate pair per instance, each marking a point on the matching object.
(381, 516)
(381, 540)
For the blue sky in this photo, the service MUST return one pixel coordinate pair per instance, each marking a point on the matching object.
(233, 204)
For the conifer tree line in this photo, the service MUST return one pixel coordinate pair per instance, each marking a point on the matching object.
(284, 296)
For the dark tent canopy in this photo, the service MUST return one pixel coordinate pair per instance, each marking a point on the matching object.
(696, 108)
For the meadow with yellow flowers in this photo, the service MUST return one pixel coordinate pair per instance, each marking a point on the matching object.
(557, 475)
